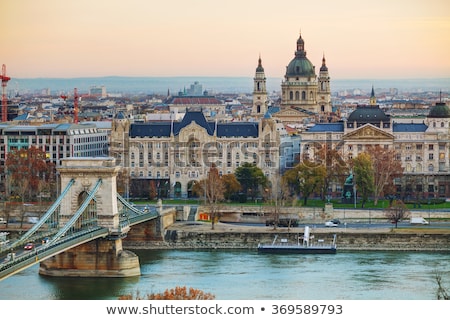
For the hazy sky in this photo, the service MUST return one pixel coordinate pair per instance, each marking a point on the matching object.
(360, 39)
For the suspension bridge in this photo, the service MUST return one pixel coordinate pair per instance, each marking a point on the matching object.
(81, 233)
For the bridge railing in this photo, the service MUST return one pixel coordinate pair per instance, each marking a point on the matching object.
(46, 251)
(27, 235)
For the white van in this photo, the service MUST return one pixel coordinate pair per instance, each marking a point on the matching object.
(418, 220)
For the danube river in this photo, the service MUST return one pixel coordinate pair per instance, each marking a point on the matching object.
(236, 275)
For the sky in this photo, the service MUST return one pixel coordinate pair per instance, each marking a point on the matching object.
(382, 39)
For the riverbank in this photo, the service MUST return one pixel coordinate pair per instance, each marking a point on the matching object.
(199, 235)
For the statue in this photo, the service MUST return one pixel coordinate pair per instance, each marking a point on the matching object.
(347, 193)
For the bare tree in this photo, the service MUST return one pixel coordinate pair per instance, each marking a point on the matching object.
(212, 189)
(396, 212)
(386, 169)
(442, 293)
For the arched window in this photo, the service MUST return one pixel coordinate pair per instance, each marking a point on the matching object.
(291, 95)
(297, 95)
(303, 95)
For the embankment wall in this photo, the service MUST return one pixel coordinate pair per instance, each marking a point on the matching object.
(179, 239)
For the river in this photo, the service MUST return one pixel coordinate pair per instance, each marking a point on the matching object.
(239, 275)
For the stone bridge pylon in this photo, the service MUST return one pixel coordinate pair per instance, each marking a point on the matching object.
(102, 257)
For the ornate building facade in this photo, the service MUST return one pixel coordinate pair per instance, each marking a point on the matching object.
(174, 155)
(423, 149)
(303, 93)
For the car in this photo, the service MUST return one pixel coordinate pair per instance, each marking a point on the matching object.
(331, 223)
(29, 246)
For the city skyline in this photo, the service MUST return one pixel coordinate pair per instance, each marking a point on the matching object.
(382, 40)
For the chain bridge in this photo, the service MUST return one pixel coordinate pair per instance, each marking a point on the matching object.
(81, 233)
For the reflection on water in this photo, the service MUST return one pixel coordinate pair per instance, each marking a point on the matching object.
(248, 275)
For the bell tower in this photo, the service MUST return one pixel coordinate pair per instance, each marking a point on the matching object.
(324, 91)
(260, 101)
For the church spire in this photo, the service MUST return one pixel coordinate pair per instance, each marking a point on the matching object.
(373, 99)
(324, 65)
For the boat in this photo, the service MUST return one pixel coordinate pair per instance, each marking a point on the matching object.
(304, 245)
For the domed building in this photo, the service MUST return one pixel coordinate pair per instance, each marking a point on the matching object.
(303, 94)
(422, 148)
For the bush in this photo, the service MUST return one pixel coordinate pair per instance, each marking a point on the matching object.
(177, 293)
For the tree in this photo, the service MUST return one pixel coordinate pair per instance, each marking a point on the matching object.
(386, 169)
(212, 188)
(396, 212)
(28, 168)
(279, 193)
(177, 293)
(251, 178)
(152, 190)
(441, 293)
(307, 177)
(336, 168)
(363, 173)
(231, 184)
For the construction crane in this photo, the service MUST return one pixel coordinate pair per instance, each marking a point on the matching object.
(5, 80)
(75, 105)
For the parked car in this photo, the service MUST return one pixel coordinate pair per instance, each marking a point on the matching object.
(29, 246)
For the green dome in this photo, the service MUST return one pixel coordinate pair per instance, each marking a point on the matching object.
(440, 110)
(300, 65)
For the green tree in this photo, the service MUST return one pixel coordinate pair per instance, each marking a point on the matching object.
(306, 178)
(252, 179)
(363, 173)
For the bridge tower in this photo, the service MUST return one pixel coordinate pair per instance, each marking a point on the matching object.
(103, 257)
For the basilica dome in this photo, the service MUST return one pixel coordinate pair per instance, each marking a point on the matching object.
(300, 66)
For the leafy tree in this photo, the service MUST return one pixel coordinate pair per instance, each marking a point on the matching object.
(386, 169)
(363, 174)
(251, 178)
(396, 212)
(307, 177)
(231, 184)
(28, 168)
